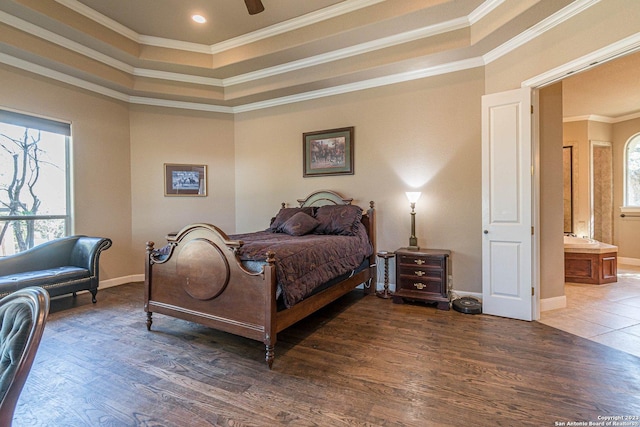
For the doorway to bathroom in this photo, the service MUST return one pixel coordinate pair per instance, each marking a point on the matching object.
(593, 180)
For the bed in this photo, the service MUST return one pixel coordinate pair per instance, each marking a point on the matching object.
(254, 284)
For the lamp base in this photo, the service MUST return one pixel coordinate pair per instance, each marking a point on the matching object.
(413, 248)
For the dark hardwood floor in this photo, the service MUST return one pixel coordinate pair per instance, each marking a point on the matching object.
(362, 361)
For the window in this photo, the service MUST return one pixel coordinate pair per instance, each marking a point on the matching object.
(632, 172)
(34, 181)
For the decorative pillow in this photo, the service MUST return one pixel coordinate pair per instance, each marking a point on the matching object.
(299, 224)
(338, 219)
(284, 214)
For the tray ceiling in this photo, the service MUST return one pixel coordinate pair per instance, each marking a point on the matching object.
(151, 52)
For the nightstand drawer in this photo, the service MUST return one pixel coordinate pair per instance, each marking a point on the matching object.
(421, 284)
(420, 261)
(419, 272)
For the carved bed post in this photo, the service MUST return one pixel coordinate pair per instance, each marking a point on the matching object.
(271, 331)
(371, 231)
(147, 284)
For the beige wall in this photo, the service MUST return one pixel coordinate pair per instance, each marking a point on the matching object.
(627, 230)
(163, 135)
(101, 162)
(422, 135)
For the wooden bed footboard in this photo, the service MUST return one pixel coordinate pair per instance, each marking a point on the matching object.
(199, 277)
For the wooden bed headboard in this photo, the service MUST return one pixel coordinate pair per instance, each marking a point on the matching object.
(324, 197)
(328, 197)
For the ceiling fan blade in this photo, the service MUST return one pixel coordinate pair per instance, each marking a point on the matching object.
(254, 6)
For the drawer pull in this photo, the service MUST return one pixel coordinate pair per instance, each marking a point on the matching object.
(419, 273)
(419, 261)
(420, 285)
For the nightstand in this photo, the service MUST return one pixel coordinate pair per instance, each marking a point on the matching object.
(422, 275)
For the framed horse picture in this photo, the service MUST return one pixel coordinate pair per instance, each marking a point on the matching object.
(328, 152)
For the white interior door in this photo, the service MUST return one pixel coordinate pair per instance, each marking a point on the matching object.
(507, 262)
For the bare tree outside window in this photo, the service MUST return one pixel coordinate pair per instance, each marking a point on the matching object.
(632, 196)
(33, 187)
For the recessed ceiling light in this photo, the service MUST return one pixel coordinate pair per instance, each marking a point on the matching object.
(199, 19)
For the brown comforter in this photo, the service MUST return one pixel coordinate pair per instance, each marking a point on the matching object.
(305, 262)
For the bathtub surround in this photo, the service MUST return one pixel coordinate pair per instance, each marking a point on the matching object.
(589, 261)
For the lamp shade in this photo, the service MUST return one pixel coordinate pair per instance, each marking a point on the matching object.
(413, 196)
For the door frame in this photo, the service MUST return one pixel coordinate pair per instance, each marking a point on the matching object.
(535, 203)
(618, 49)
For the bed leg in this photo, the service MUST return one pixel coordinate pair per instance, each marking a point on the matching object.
(270, 355)
(149, 321)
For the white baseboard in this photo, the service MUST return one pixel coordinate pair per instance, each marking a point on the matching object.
(121, 281)
(454, 293)
(545, 304)
(459, 294)
(553, 303)
(628, 261)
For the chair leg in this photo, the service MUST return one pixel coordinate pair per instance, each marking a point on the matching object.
(94, 292)
(75, 294)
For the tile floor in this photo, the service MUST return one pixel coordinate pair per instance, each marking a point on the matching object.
(608, 314)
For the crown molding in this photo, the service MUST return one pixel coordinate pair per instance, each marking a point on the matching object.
(273, 30)
(602, 119)
(627, 117)
(347, 52)
(97, 56)
(178, 77)
(365, 84)
(362, 48)
(294, 24)
(64, 42)
(173, 44)
(99, 18)
(589, 118)
(158, 102)
(621, 47)
(336, 90)
(61, 77)
(540, 28)
(483, 10)
(92, 87)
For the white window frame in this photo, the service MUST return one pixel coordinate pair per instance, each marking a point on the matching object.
(51, 125)
(626, 208)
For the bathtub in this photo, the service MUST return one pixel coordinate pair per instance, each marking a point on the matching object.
(589, 261)
(571, 242)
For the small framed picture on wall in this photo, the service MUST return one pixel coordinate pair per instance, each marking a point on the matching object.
(185, 180)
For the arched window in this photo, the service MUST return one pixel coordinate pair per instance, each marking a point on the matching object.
(632, 172)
